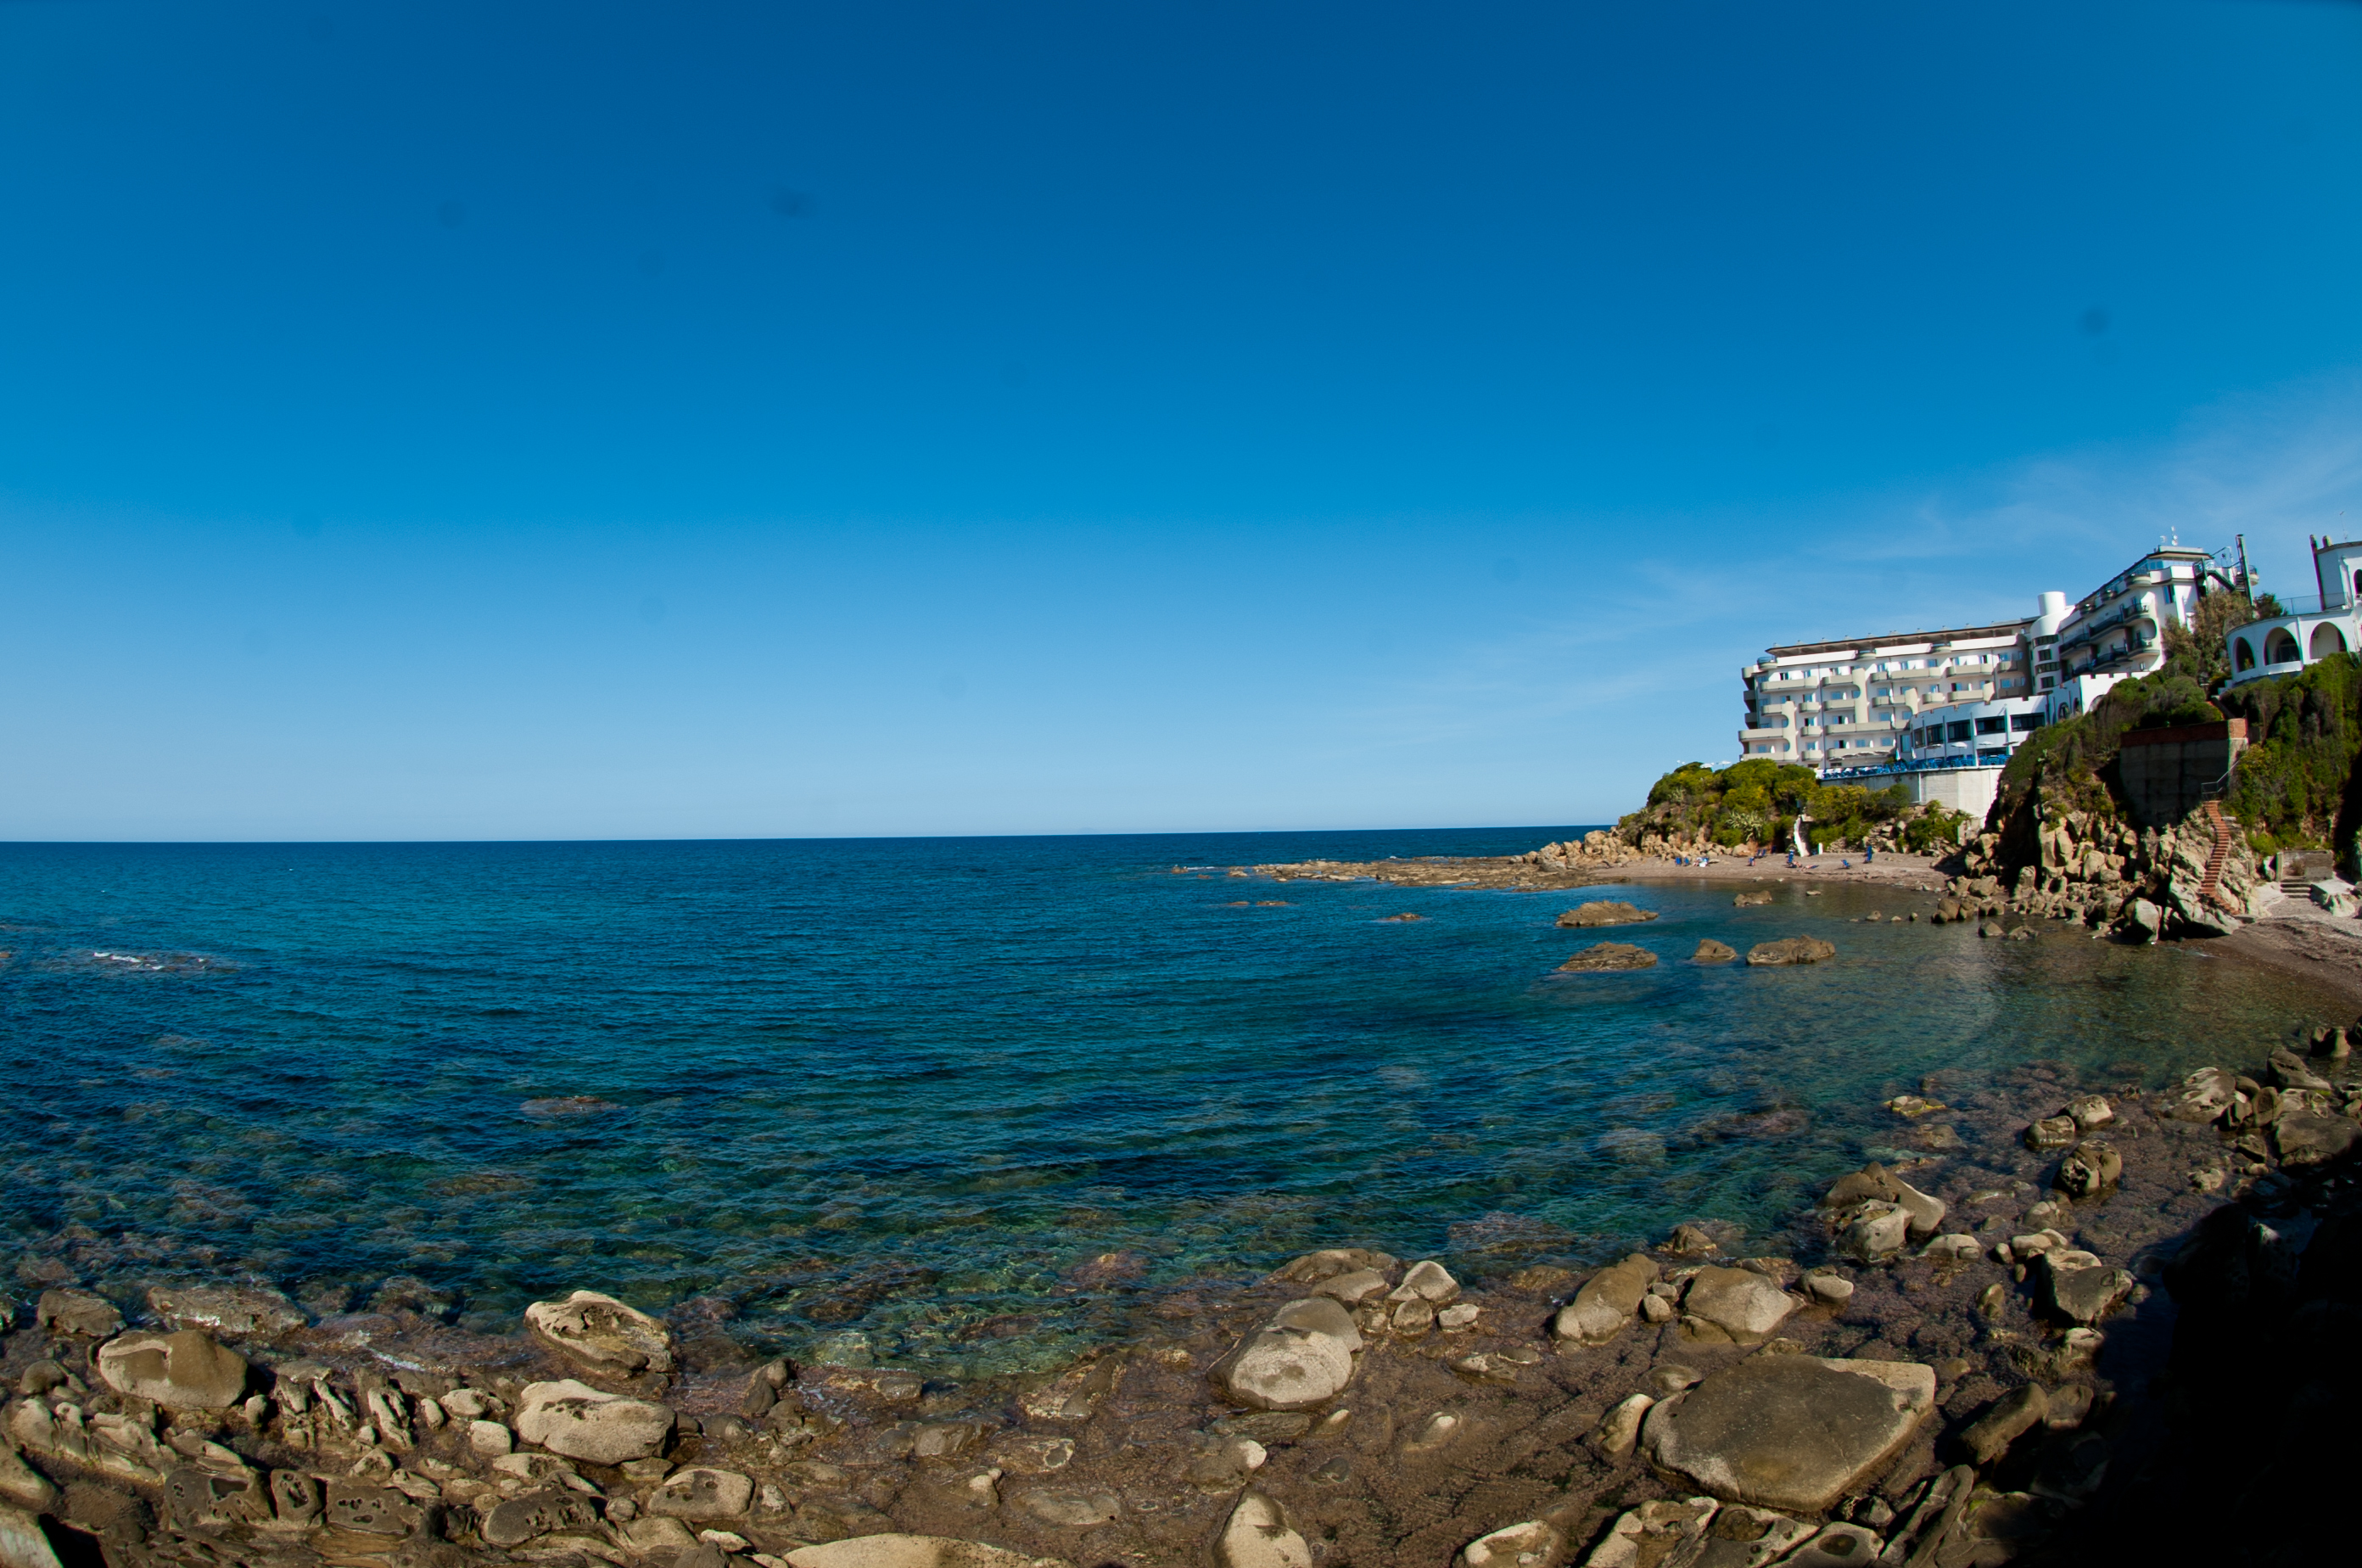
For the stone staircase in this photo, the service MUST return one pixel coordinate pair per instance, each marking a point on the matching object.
(2209, 890)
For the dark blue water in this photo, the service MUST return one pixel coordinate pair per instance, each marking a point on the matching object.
(894, 1096)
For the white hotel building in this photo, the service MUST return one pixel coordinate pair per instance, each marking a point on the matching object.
(1940, 712)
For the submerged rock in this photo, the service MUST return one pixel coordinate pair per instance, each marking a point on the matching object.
(1793, 1432)
(1529, 1545)
(1609, 955)
(235, 1311)
(1608, 911)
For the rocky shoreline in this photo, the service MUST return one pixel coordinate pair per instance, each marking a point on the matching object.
(1965, 1354)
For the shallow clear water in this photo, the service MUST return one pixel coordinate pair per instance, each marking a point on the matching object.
(893, 1094)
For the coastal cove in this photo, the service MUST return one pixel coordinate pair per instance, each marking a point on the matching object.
(973, 1107)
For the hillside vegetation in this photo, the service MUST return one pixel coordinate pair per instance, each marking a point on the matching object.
(1756, 801)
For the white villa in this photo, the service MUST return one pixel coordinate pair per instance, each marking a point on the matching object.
(2311, 629)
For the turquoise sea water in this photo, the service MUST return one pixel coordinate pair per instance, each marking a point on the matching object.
(895, 1097)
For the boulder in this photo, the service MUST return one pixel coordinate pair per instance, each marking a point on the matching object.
(553, 1512)
(601, 1333)
(1430, 1282)
(186, 1371)
(1606, 912)
(2201, 1097)
(1330, 1262)
(1791, 950)
(1606, 1301)
(1878, 1230)
(23, 1486)
(1740, 1301)
(1619, 1429)
(1792, 1432)
(78, 1313)
(700, 1493)
(2010, 1417)
(2090, 1111)
(2303, 1138)
(2292, 1071)
(2093, 1167)
(1529, 1545)
(2051, 1132)
(1302, 1355)
(2079, 1288)
(578, 1421)
(234, 1311)
(1352, 1287)
(913, 1551)
(1260, 1536)
(1709, 951)
(1606, 955)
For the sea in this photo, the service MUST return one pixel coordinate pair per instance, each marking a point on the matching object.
(964, 1104)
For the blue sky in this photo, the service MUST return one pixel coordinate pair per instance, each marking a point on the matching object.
(514, 421)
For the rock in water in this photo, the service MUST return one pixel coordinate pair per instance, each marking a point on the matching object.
(1709, 951)
(1609, 955)
(2201, 1097)
(2081, 1288)
(602, 1333)
(1608, 911)
(913, 1551)
(186, 1371)
(1878, 1230)
(580, 1422)
(1740, 1301)
(1793, 1432)
(1791, 950)
(1744, 899)
(1301, 1356)
(234, 1311)
(1529, 1545)
(1259, 1536)
(1606, 1301)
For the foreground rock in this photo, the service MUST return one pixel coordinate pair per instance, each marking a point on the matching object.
(1260, 1536)
(186, 1371)
(1609, 955)
(601, 1333)
(1606, 912)
(1792, 1432)
(1606, 1301)
(913, 1551)
(1791, 950)
(1302, 1357)
(580, 1422)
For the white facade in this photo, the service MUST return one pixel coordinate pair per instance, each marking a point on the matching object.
(1847, 704)
(2119, 629)
(2312, 630)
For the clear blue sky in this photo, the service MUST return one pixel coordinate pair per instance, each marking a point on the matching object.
(516, 420)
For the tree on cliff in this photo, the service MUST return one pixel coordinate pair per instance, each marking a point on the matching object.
(2197, 649)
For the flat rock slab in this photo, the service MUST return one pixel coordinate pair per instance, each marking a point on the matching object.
(1790, 1432)
(1791, 950)
(2304, 1139)
(1606, 912)
(580, 1422)
(915, 1551)
(1609, 955)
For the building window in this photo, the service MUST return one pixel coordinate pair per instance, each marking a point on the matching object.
(1994, 726)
